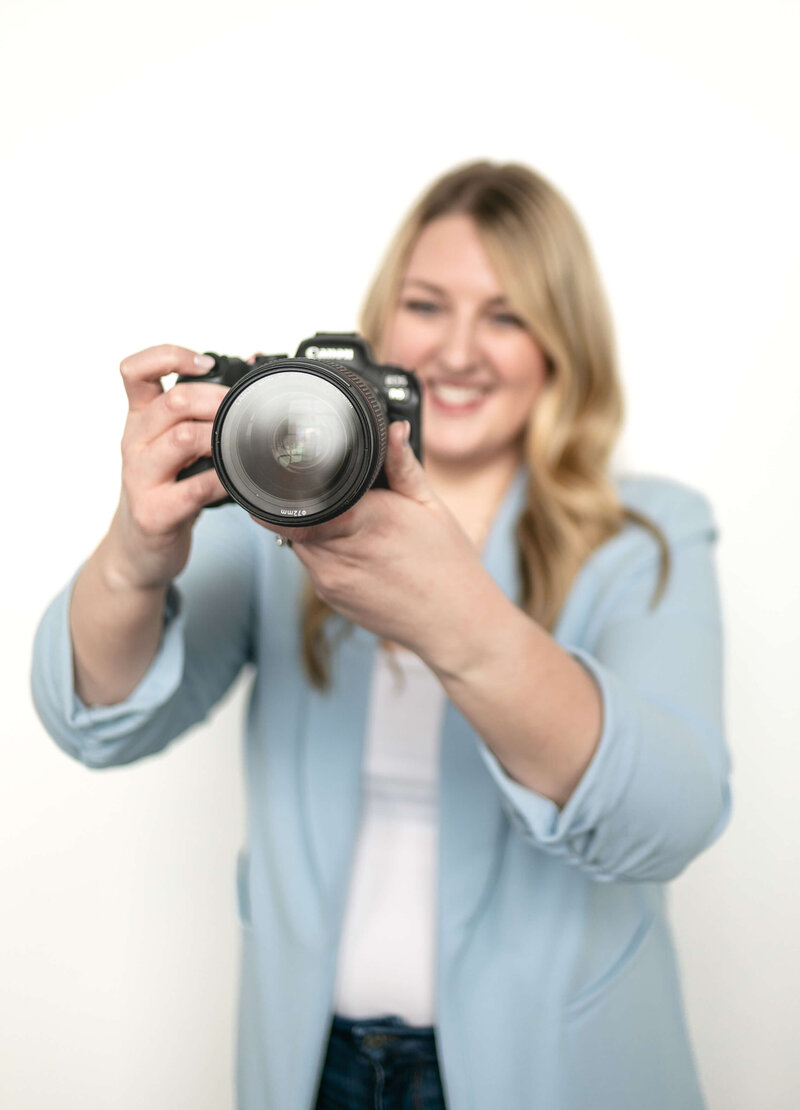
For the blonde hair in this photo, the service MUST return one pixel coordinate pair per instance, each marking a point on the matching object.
(543, 260)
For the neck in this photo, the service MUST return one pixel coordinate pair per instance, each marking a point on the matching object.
(473, 493)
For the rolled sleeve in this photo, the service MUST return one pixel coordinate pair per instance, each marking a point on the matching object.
(100, 735)
(655, 792)
(206, 639)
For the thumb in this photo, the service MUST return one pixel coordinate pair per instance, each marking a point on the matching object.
(404, 472)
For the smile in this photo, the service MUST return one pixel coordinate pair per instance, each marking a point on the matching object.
(456, 396)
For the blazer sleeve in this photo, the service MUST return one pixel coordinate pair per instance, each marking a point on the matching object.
(656, 792)
(207, 639)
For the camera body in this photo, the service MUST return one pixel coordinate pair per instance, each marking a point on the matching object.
(297, 441)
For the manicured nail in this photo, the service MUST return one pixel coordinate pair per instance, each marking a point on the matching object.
(204, 362)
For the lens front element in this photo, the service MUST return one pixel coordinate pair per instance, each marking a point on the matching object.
(299, 445)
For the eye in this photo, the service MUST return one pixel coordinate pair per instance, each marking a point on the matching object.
(422, 307)
(507, 320)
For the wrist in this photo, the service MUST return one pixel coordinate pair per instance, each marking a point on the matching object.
(133, 563)
(124, 575)
(471, 637)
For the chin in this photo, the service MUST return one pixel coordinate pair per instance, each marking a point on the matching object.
(455, 454)
(456, 450)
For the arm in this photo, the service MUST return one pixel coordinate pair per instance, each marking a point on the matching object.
(124, 661)
(117, 608)
(532, 703)
(206, 639)
(655, 792)
(611, 757)
(404, 568)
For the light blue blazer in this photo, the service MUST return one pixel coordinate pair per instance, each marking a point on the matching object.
(557, 986)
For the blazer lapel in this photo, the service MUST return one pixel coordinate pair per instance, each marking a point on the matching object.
(334, 745)
(473, 827)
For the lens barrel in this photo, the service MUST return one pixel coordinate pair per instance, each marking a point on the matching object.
(297, 441)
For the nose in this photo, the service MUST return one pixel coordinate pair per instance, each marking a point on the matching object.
(458, 350)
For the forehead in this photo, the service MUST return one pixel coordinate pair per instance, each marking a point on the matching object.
(449, 253)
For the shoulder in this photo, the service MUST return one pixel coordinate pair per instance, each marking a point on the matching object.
(677, 510)
(668, 513)
(622, 576)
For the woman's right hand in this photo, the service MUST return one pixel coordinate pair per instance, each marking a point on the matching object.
(165, 431)
(117, 605)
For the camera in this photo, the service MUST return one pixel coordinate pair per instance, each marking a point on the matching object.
(297, 441)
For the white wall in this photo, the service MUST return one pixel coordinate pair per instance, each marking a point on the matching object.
(228, 181)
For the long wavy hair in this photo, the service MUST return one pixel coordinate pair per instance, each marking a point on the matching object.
(541, 255)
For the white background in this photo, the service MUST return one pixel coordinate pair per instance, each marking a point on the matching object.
(228, 181)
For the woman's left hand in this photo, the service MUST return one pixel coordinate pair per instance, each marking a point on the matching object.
(398, 563)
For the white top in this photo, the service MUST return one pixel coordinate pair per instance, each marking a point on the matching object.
(387, 951)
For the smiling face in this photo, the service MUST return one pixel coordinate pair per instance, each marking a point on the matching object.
(481, 369)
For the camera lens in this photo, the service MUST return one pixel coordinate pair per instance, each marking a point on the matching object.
(297, 443)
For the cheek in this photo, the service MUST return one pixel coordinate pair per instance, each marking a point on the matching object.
(523, 360)
(529, 382)
(398, 343)
(516, 412)
(525, 391)
(534, 387)
(408, 342)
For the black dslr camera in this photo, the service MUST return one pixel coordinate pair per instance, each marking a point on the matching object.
(297, 441)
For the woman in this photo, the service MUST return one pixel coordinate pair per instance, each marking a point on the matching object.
(481, 847)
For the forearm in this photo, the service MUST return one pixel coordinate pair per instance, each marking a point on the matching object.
(533, 704)
(115, 628)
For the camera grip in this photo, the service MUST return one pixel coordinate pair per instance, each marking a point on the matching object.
(197, 467)
(224, 372)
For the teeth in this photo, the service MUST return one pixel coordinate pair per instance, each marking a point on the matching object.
(456, 394)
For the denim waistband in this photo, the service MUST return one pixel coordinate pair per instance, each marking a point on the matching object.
(387, 1038)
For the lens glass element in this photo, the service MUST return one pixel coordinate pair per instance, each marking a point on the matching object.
(292, 444)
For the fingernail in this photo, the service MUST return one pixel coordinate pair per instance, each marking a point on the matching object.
(406, 433)
(204, 362)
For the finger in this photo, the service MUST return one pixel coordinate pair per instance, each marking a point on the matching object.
(186, 401)
(404, 472)
(188, 497)
(142, 372)
(171, 505)
(148, 464)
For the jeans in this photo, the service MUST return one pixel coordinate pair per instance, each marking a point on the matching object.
(380, 1064)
